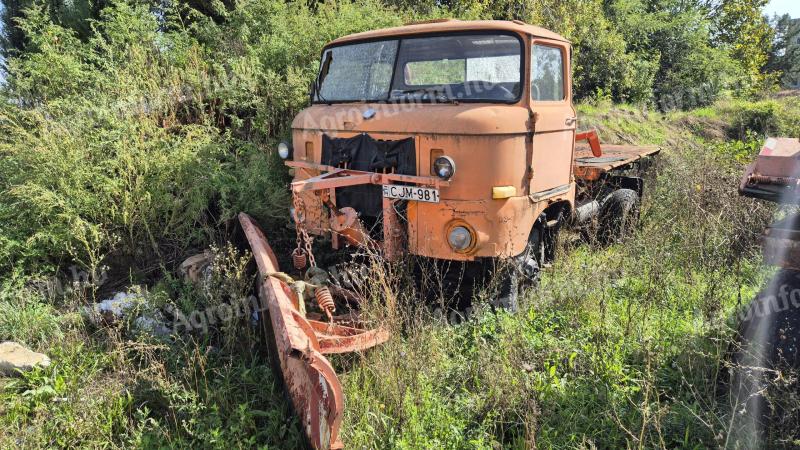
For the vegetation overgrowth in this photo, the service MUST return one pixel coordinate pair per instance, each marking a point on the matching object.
(133, 132)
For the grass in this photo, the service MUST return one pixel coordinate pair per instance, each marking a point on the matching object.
(618, 347)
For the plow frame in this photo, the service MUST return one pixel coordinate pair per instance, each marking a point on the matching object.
(311, 383)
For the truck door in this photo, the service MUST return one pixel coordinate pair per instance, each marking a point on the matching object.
(551, 103)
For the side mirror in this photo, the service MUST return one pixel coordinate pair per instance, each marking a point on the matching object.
(311, 91)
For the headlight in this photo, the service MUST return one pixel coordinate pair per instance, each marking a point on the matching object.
(444, 167)
(284, 151)
(459, 238)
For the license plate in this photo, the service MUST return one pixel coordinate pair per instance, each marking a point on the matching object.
(419, 194)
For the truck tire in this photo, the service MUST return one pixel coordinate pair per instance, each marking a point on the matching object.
(765, 362)
(619, 215)
(520, 273)
(508, 291)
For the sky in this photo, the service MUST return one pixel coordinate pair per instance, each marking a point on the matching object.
(781, 7)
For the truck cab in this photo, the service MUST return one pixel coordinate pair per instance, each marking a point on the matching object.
(480, 111)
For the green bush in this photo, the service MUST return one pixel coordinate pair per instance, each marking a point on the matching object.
(763, 118)
(135, 145)
(759, 118)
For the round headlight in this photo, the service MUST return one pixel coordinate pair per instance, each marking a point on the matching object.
(284, 150)
(444, 167)
(459, 238)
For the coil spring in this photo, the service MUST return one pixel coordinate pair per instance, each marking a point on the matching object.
(299, 259)
(325, 300)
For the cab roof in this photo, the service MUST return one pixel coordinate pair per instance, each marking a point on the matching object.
(452, 25)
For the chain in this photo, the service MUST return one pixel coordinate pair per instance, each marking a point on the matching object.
(298, 220)
(304, 241)
(308, 240)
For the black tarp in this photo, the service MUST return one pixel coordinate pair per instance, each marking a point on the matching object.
(364, 153)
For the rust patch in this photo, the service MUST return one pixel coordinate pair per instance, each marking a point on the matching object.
(313, 387)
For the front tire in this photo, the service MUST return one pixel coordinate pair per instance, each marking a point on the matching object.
(520, 273)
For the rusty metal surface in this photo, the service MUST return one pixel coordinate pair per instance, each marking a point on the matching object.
(316, 221)
(590, 167)
(395, 121)
(527, 145)
(453, 25)
(483, 161)
(337, 178)
(312, 385)
(775, 174)
(335, 338)
(789, 182)
(346, 224)
(779, 158)
(593, 140)
(491, 144)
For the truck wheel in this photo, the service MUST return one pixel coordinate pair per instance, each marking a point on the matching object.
(528, 264)
(520, 273)
(508, 292)
(766, 361)
(619, 215)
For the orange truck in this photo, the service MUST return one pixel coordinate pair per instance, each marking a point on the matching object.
(451, 140)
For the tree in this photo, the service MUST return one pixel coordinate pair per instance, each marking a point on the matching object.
(676, 37)
(741, 27)
(785, 56)
(74, 14)
(77, 15)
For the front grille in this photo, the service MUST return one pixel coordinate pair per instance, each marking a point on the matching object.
(366, 154)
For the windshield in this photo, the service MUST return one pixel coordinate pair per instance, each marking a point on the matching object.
(456, 67)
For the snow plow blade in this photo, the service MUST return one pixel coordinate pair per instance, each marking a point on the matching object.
(311, 383)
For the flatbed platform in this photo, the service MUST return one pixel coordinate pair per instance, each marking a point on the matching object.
(590, 167)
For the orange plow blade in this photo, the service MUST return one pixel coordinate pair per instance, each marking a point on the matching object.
(312, 385)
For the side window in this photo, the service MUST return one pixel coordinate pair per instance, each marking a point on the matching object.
(547, 74)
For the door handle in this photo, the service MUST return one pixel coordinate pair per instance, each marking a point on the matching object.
(571, 121)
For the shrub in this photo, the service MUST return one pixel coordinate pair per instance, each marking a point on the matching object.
(134, 145)
(758, 118)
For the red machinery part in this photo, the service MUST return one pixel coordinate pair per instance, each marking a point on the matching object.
(313, 387)
(594, 141)
(775, 174)
(299, 259)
